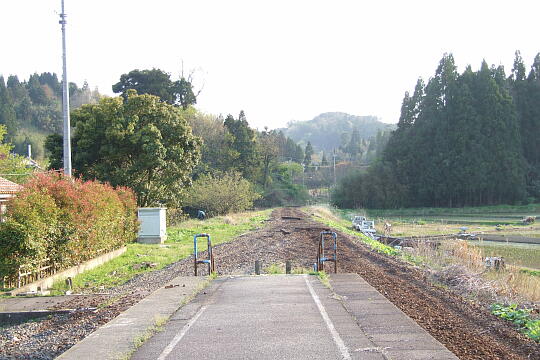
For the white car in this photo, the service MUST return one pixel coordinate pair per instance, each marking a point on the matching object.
(357, 222)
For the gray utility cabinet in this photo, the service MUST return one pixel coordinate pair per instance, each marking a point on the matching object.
(153, 228)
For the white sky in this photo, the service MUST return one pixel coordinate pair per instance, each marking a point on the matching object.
(277, 60)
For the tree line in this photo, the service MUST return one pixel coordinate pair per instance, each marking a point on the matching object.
(153, 140)
(32, 109)
(462, 140)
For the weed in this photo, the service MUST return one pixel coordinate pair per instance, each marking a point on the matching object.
(109, 302)
(274, 269)
(530, 272)
(325, 280)
(302, 270)
(519, 317)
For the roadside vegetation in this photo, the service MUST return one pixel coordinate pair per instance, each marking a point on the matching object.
(141, 258)
(56, 222)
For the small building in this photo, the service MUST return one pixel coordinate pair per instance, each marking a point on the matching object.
(8, 189)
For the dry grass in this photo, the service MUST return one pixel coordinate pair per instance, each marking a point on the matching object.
(229, 220)
(323, 212)
(460, 265)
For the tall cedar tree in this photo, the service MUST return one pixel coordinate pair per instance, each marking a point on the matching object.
(308, 153)
(458, 142)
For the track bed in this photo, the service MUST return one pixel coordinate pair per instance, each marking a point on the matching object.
(468, 330)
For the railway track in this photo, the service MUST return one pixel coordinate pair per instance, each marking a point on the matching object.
(465, 328)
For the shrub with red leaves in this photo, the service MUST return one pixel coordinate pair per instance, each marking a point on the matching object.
(66, 220)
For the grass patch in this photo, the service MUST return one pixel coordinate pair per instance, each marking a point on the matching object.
(524, 255)
(325, 280)
(274, 269)
(530, 272)
(479, 210)
(141, 258)
(303, 270)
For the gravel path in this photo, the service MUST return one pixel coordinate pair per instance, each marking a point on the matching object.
(468, 330)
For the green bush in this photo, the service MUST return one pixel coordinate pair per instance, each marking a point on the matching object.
(220, 195)
(520, 317)
(65, 220)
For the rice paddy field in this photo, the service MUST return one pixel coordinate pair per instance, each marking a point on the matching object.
(505, 221)
(520, 255)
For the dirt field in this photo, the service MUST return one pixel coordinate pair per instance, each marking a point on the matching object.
(468, 330)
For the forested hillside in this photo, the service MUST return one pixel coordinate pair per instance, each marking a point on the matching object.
(462, 139)
(333, 130)
(32, 109)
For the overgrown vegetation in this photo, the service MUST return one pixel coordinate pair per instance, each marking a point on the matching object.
(519, 317)
(457, 263)
(140, 258)
(64, 221)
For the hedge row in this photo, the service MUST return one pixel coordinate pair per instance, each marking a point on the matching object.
(65, 220)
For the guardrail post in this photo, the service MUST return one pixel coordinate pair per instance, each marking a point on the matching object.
(257, 267)
(288, 267)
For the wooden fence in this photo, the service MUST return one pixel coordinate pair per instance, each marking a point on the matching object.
(26, 275)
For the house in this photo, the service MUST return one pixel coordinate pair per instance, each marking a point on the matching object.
(8, 189)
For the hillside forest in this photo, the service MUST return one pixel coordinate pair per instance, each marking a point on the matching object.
(32, 109)
(463, 139)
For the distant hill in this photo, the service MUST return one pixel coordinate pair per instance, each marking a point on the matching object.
(329, 130)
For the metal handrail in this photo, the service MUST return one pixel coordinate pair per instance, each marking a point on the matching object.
(321, 259)
(209, 260)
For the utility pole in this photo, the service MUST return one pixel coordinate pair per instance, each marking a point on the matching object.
(334, 154)
(65, 98)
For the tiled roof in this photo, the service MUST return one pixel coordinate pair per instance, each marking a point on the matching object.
(8, 187)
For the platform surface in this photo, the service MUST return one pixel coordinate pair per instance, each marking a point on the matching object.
(291, 317)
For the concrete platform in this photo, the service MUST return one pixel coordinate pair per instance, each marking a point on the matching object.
(390, 330)
(291, 317)
(117, 338)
